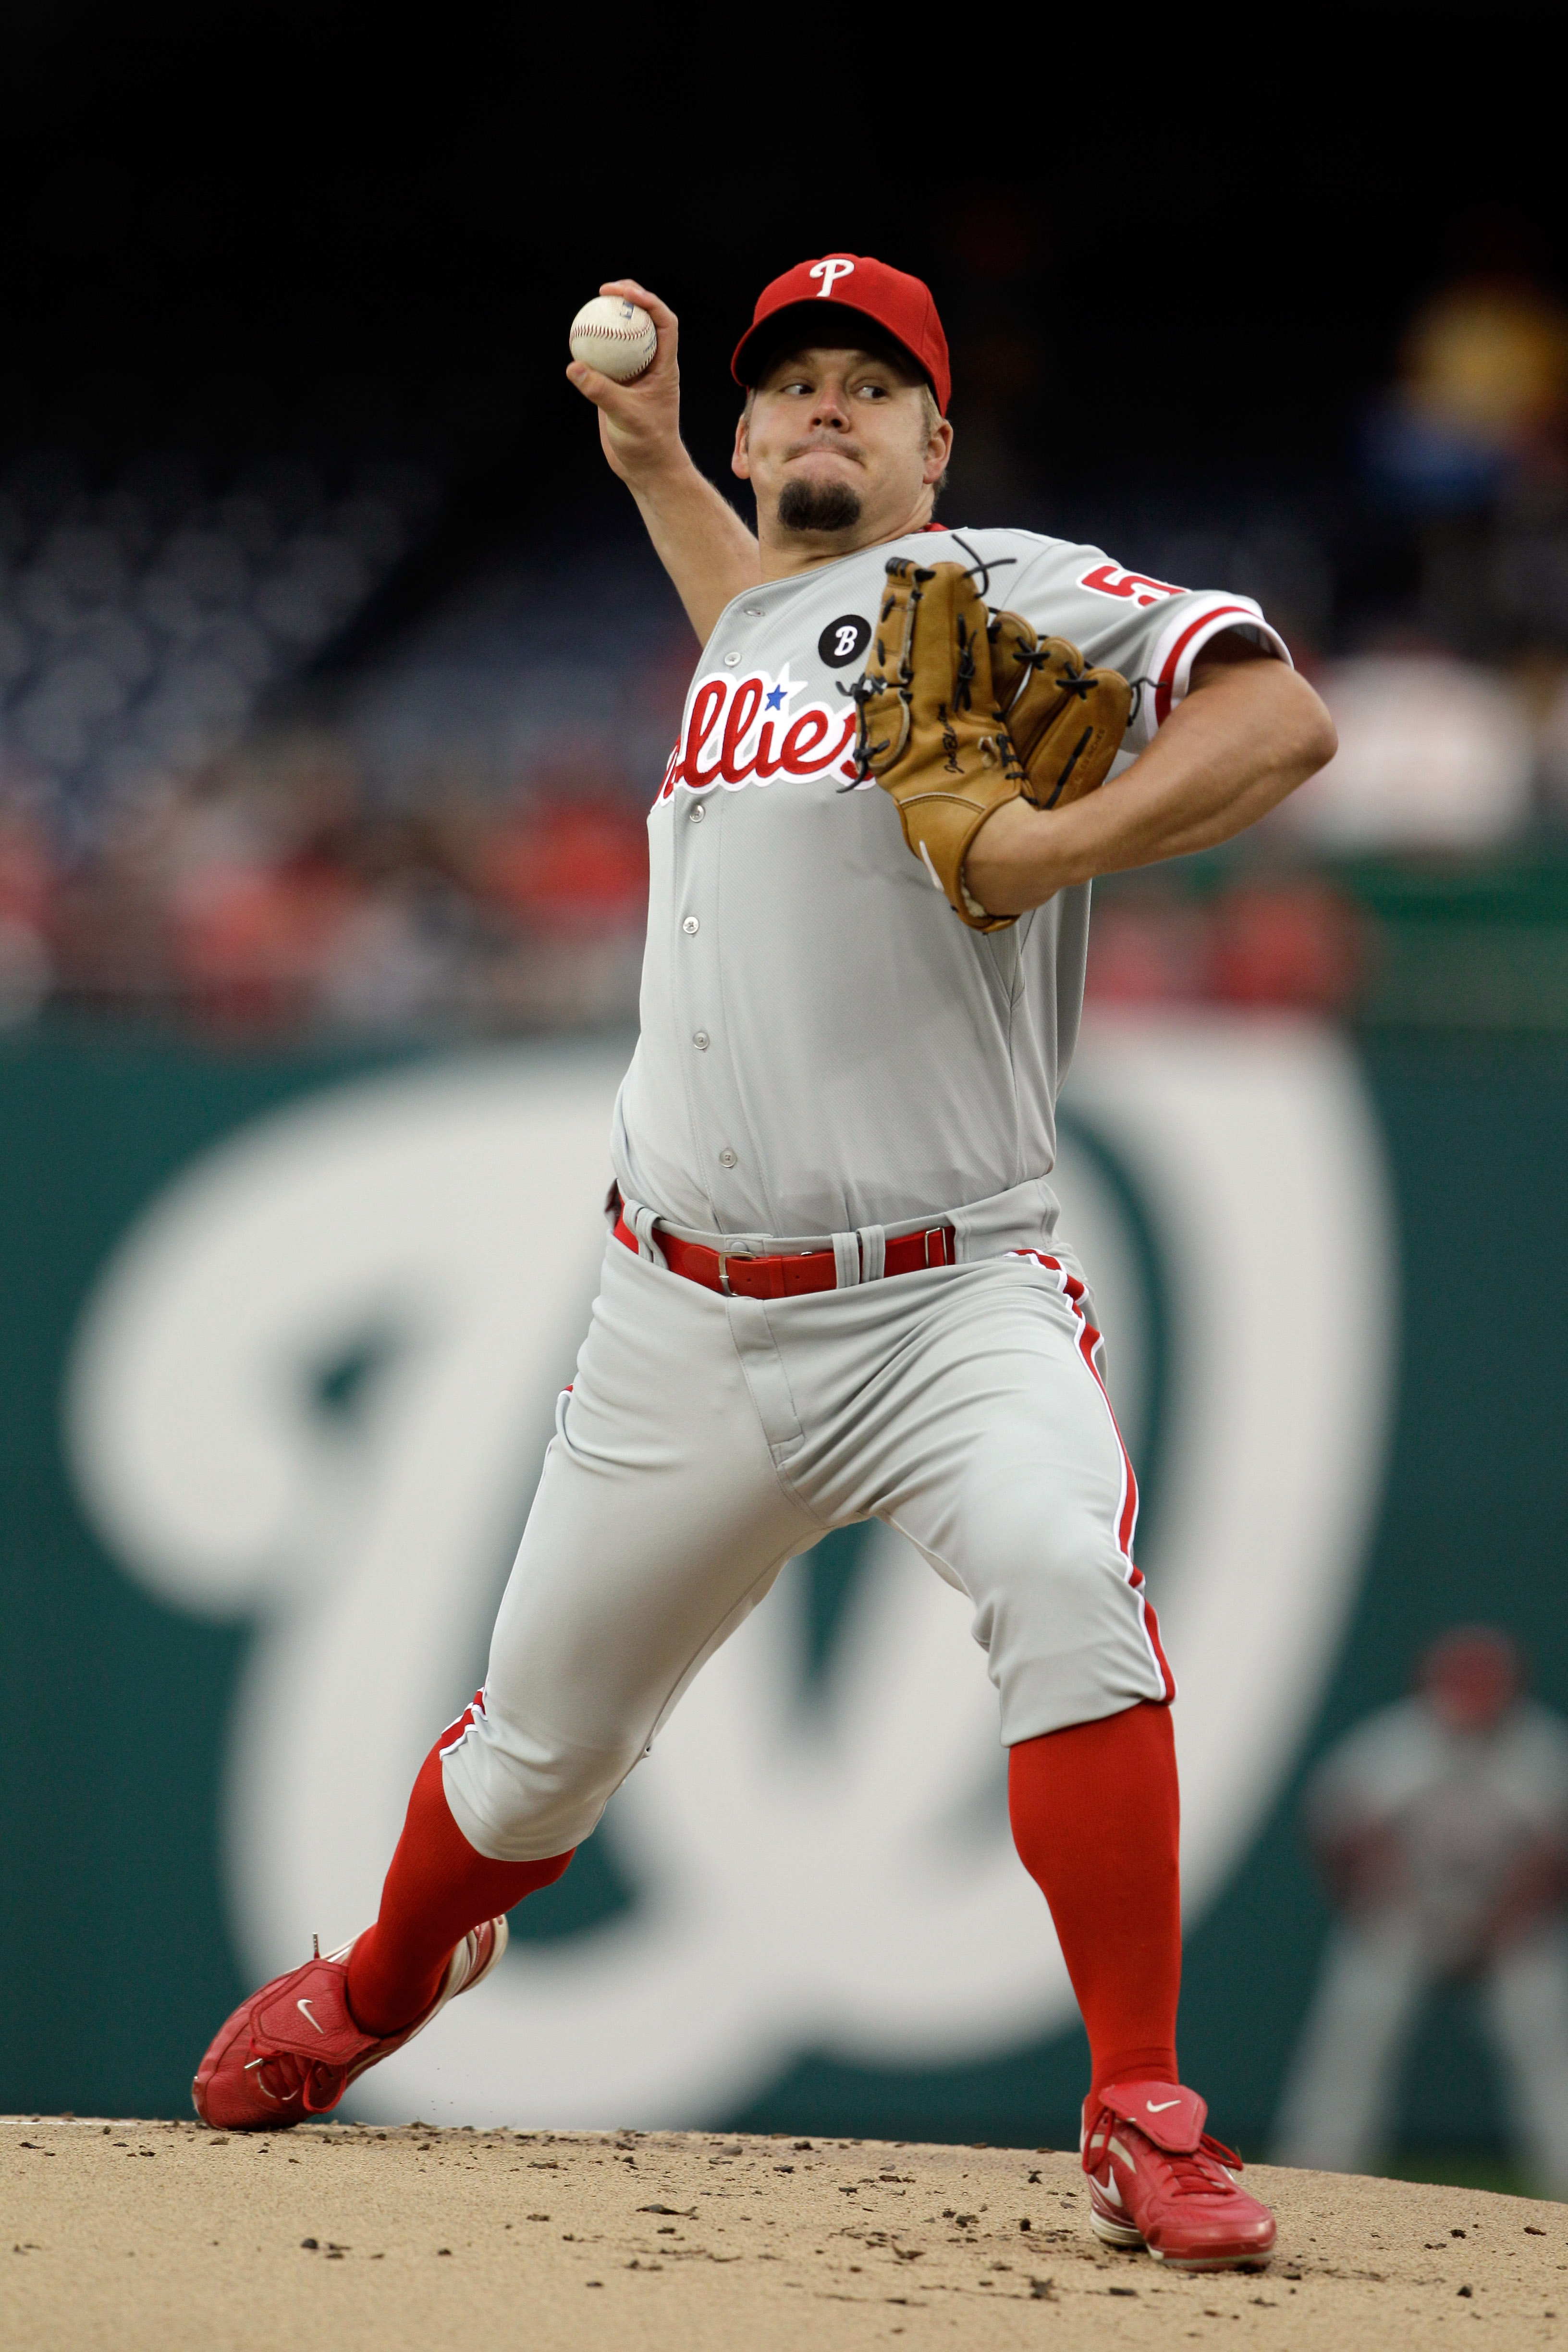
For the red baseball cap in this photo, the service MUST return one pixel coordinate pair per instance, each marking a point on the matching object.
(900, 305)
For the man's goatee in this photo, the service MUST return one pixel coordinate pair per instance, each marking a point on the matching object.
(818, 506)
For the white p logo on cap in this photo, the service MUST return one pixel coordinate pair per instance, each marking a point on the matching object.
(831, 272)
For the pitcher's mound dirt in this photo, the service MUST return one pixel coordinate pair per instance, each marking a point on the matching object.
(130, 2235)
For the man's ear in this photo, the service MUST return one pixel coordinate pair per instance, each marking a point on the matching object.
(938, 449)
(740, 460)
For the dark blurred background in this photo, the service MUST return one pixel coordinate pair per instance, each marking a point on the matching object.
(317, 602)
(336, 679)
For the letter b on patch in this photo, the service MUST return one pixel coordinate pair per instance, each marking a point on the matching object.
(844, 640)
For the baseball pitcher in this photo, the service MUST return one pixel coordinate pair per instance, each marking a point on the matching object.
(834, 1284)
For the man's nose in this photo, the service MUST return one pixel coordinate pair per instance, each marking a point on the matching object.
(830, 408)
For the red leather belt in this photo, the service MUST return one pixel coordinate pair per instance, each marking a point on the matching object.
(791, 1273)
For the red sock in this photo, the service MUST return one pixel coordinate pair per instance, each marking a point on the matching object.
(437, 1889)
(1095, 1812)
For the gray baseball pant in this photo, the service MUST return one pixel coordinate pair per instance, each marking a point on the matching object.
(706, 1440)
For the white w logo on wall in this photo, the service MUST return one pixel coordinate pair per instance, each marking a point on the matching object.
(313, 1388)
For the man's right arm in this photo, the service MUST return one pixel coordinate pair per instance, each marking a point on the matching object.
(698, 536)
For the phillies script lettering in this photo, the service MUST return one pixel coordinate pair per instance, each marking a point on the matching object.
(741, 731)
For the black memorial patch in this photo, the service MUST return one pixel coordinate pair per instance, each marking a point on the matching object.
(844, 640)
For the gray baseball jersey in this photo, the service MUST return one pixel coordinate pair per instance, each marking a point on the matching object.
(824, 1045)
(1461, 1808)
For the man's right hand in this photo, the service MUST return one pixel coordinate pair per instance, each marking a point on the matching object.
(700, 539)
(639, 423)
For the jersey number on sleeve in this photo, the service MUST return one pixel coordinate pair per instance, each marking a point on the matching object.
(1109, 580)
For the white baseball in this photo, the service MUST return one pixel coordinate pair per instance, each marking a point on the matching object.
(617, 337)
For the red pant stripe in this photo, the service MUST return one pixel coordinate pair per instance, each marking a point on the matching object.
(454, 1731)
(1088, 1340)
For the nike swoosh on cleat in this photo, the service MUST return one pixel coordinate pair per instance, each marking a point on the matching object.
(1155, 2108)
(304, 2009)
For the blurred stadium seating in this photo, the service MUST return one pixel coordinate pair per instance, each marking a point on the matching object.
(232, 794)
(454, 837)
(201, 820)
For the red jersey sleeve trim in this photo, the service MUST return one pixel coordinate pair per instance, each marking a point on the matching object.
(1175, 663)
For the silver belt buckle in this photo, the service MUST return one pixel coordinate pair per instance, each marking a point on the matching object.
(723, 1275)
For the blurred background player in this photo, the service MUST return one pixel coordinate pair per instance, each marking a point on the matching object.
(1440, 1826)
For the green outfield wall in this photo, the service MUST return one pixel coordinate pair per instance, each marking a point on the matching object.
(144, 1613)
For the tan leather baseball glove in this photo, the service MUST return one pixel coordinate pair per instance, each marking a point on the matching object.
(951, 696)
(1067, 719)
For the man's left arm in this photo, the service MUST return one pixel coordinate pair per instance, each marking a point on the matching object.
(1247, 732)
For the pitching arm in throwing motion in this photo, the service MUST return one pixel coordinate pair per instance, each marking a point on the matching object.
(698, 538)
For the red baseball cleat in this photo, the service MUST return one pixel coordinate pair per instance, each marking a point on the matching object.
(1157, 2180)
(292, 2049)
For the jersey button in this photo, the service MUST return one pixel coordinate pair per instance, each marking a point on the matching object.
(754, 611)
(698, 813)
(726, 1158)
(731, 659)
(690, 925)
(702, 1040)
